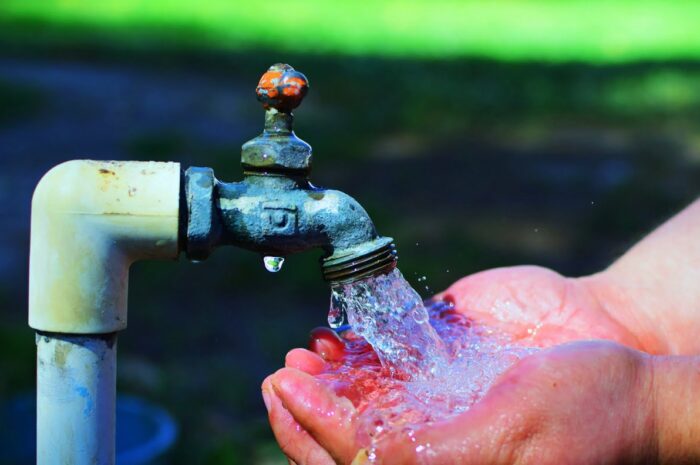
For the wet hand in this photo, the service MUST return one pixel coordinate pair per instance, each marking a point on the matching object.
(539, 307)
(582, 403)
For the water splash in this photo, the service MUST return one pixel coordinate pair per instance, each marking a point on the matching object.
(273, 264)
(389, 314)
(336, 314)
(406, 364)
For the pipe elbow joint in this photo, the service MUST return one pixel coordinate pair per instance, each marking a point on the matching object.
(90, 221)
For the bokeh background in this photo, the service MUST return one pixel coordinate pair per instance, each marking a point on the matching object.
(478, 134)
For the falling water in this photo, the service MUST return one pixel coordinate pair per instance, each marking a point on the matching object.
(389, 314)
(407, 364)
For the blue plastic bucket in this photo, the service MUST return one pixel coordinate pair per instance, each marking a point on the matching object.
(145, 432)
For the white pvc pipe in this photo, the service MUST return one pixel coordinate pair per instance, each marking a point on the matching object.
(90, 221)
(76, 392)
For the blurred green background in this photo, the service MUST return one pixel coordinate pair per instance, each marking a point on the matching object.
(478, 134)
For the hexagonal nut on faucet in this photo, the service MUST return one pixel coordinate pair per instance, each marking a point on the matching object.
(202, 230)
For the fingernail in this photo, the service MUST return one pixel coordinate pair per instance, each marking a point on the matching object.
(362, 458)
(281, 387)
(291, 462)
(266, 399)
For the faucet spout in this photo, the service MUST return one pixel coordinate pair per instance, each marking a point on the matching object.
(275, 210)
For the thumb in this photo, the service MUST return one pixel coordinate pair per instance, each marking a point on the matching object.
(329, 419)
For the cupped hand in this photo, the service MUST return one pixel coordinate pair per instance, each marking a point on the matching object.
(533, 305)
(580, 403)
(539, 307)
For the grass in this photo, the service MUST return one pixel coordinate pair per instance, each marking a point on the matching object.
(596, 31)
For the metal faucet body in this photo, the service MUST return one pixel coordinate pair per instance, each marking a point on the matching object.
(277, 215)
(275, 210)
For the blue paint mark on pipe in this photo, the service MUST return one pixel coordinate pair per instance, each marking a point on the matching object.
(85, 394)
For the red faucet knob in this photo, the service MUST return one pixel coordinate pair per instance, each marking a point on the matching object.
(282, 88)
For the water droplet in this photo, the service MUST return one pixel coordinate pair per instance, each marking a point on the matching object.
(336, 313)
(273, 264)
(335, 318)
(420, 315)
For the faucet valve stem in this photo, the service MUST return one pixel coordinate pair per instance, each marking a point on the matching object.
(278, 151)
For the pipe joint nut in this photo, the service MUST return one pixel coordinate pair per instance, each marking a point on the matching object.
(200, 185)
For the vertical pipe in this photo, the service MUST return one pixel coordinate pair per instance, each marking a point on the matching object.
(76, 398)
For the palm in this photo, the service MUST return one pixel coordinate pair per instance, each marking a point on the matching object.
(536, 306)
(578, 402)
(533, 305)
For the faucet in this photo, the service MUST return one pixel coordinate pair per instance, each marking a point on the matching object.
(92, 219)
(275, 210)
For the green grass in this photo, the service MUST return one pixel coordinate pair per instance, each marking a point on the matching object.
(582, 30)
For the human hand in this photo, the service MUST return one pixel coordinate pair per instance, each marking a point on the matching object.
(561, 309)
(581, 403)
(646, 299)
(538, 307)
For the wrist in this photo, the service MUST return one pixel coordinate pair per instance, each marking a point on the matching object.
(676, 399)
(628, 308)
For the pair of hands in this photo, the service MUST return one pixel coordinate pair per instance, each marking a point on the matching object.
(585, 402)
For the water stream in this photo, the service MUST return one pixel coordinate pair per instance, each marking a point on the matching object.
(406, 363)
(388, 313)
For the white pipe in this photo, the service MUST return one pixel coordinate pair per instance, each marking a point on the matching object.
(76, 392)
(90, 221)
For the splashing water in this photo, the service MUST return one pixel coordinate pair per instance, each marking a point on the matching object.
(406, 365)
(389, 314)
(336, 314)
(273, 264)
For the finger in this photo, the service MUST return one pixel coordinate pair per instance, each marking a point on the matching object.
(305, 360)
(326, 343)
(326, 417)
(299, 447)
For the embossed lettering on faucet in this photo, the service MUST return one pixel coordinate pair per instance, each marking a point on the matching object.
(279, 219)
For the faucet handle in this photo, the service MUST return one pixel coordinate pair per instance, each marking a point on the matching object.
(282, 88)
(278, 150)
